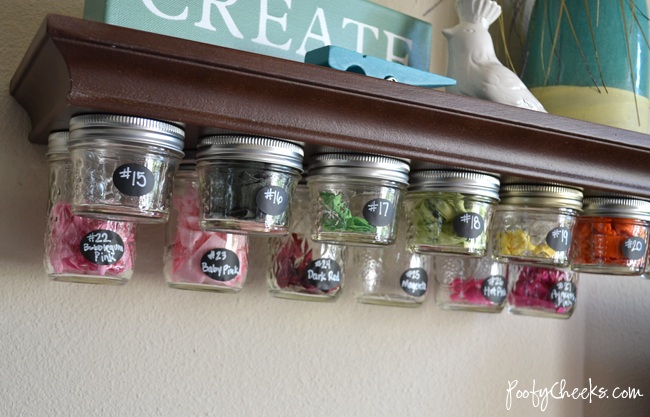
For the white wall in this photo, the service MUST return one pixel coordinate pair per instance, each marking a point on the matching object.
(146, 350)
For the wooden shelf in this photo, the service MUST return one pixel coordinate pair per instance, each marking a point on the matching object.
(74, 65)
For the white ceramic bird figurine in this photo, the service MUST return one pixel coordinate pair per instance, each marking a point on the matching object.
(473, 63)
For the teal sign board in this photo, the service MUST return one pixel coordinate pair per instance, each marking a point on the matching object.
(281, 28)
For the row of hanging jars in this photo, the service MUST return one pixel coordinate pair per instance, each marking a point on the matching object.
(449, 223)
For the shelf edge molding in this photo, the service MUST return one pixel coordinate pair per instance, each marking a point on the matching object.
(74, 66)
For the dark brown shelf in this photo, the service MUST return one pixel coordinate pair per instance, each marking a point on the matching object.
(74, 65)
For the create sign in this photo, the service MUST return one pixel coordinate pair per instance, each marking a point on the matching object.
(281, 28)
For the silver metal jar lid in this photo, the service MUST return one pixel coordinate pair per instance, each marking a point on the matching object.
(615, 205)
(251, 148)
(57, 142)
(456, 181)
(126, 129)
(360, 165)
(540, 194)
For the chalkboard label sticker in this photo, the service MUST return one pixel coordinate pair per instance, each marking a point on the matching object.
(379, 212)
(414, 282)
(559, 239)
(494, 288)
(634, 248)
(134, 180)
(272, 200)
(469, 225)
(102, 247)
(563, 294)
(220, 264)
(324, 274)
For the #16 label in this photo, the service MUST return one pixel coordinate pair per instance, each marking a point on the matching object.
(469, 225)
(220, 264)
(102, 247)
(379, 212)
(494, 288)
(324, 274)
(414, 282)
(134, 180)
(272, 200)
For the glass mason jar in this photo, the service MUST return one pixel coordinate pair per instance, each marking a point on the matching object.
(391, 275)
(469, 283)
(450, 211)
(247, 183)
(300, 268)
(195, 259)
(123, 166)
(81, 249)
(534, 223)
(356, 198)
(542, 291)
(611, 236)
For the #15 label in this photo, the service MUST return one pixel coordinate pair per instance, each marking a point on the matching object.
(102, 247)
(220, 264)
(134, 180)
(414, 282)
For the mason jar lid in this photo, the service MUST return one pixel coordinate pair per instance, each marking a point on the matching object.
(540, 194)
(456, 181)
(126, 129)
(57, 143)
(251, 148)
(615, 205)
(361, 165)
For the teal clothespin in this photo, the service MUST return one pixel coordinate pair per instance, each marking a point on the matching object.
(347, 60)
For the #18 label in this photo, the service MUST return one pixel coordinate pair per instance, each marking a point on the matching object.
(494, 288)
(559, 239)
(325, 274)
(563, 294)
(379, 212)
(414, 282)
(469, 225)
(134, 180)
(220, 264)
(272, 200)
(102, 247)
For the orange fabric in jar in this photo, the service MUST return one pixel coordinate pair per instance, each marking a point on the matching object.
(601, 239)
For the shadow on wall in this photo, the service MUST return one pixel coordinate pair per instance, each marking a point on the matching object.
(617, 340)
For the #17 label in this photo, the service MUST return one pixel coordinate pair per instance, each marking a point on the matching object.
(272, 200)
(134, 180)
(220, 264)
(379, 212)
(102, 247)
